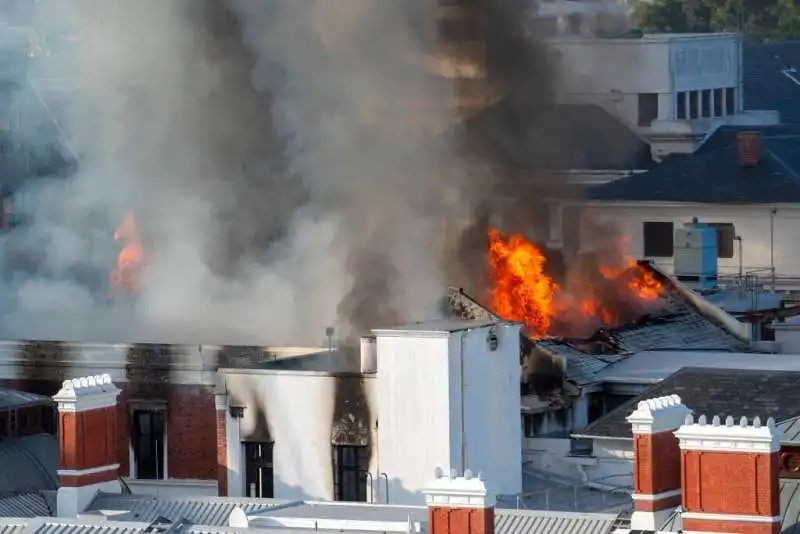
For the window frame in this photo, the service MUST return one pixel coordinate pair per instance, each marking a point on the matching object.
(646, 108)
(345, 469)
(681, 106)
(262, 464)
(153, 408)
(730, 101)
(705, 104)
(648, 251)
(718, 109)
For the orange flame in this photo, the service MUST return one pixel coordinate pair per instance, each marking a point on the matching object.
(126, 273)
(522, 291)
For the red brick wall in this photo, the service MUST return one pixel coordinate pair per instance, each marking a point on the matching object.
(460, 520)
(191, 423)
(658, 463)
(86, 439)
(743, 527)
(192, 433)
(222, 454)
(731, 483)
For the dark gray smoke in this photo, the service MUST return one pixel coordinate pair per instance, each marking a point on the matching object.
(291, 165)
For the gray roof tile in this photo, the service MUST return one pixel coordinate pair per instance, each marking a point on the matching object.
(790, 506)
(720, 392)
(28, 464)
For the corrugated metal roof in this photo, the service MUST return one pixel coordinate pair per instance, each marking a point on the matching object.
(12, 527)
(28, 464)
(25, 505)
(525, 522)
(790, 506)
(790, 431)
(212, 511)
(78, 528)
(13, 398)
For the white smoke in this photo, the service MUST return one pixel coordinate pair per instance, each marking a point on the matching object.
(280, 189)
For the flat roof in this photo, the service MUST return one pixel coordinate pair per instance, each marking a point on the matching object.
(346, 512)
(435, 326)
(648, 367)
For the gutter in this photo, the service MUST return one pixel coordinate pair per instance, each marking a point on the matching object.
(607, 438)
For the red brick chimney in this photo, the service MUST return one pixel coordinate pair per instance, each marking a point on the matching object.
(87, 431)
(656, 461)
(749, 146)
(730, 476)
(459, 505)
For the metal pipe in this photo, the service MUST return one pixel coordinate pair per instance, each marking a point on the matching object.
(772, 244)
(463, 411)
(384, 475)
(741, 267)
(371, 495)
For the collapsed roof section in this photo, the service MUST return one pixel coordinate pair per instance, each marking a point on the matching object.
(680, 320)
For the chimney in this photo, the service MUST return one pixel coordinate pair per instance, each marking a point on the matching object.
(459, 504)
(656, 460)
(87, 432)
(749, 146)
(730, 475)
(369, 354)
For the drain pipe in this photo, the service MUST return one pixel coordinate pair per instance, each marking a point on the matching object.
(463, 411)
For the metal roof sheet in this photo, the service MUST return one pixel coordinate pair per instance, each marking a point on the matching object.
(29, 464)
(790, 431)
(25, 505)
(536, 522)
(212, 511)
(13, 398)
(790, 506)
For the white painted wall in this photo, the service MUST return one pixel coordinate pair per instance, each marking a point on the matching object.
(173, 488)
(446, 400)
(299, 407)
(752, 223)
(613, 72)
(614, 467)
(787, 337)
(609, 466)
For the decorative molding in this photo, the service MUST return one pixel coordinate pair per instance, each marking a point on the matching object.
(661, 414)
(87, 393)
(85, 472)
(727, 436)
(452, 491)
(700, 516)
(657, 496)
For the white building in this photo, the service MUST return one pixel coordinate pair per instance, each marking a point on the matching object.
(671, 88)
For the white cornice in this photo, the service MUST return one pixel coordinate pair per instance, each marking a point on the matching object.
(731, 517)
(729, 436)
(661, 414)
(458, 492)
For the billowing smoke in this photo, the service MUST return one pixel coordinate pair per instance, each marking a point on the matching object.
(266, 150)
(283, 161)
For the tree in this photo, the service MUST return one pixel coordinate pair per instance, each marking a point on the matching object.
(758, 19)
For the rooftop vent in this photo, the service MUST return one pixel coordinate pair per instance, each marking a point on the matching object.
(749, 146)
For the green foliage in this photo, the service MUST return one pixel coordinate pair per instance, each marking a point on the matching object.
(771, 20)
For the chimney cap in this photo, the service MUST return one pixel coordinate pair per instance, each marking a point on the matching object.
(451, 490)
(87, 393)
(726, 435)
(659, 414)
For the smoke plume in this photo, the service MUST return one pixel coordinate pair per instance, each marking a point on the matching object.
(281, 159)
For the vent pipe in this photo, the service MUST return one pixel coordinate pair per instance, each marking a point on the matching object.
(749, 146)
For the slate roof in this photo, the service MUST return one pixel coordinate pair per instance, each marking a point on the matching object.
(556, 137)
(720, 392)
(790, 506)
(713, 175)
(28, 464)
(765, 84)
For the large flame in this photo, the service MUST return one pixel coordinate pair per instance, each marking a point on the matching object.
(522, 291)
(125, 275)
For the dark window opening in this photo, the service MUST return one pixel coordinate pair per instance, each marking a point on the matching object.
(259, 473)
(730, 101)
(147, 440)
(648, 108)
(658, 239)
(350, 468)
(528, 426)
(694, 112)
(767, 332)
(718, 97)
(705, 103)
(682, 105)
(595, 409)
(725, 238)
